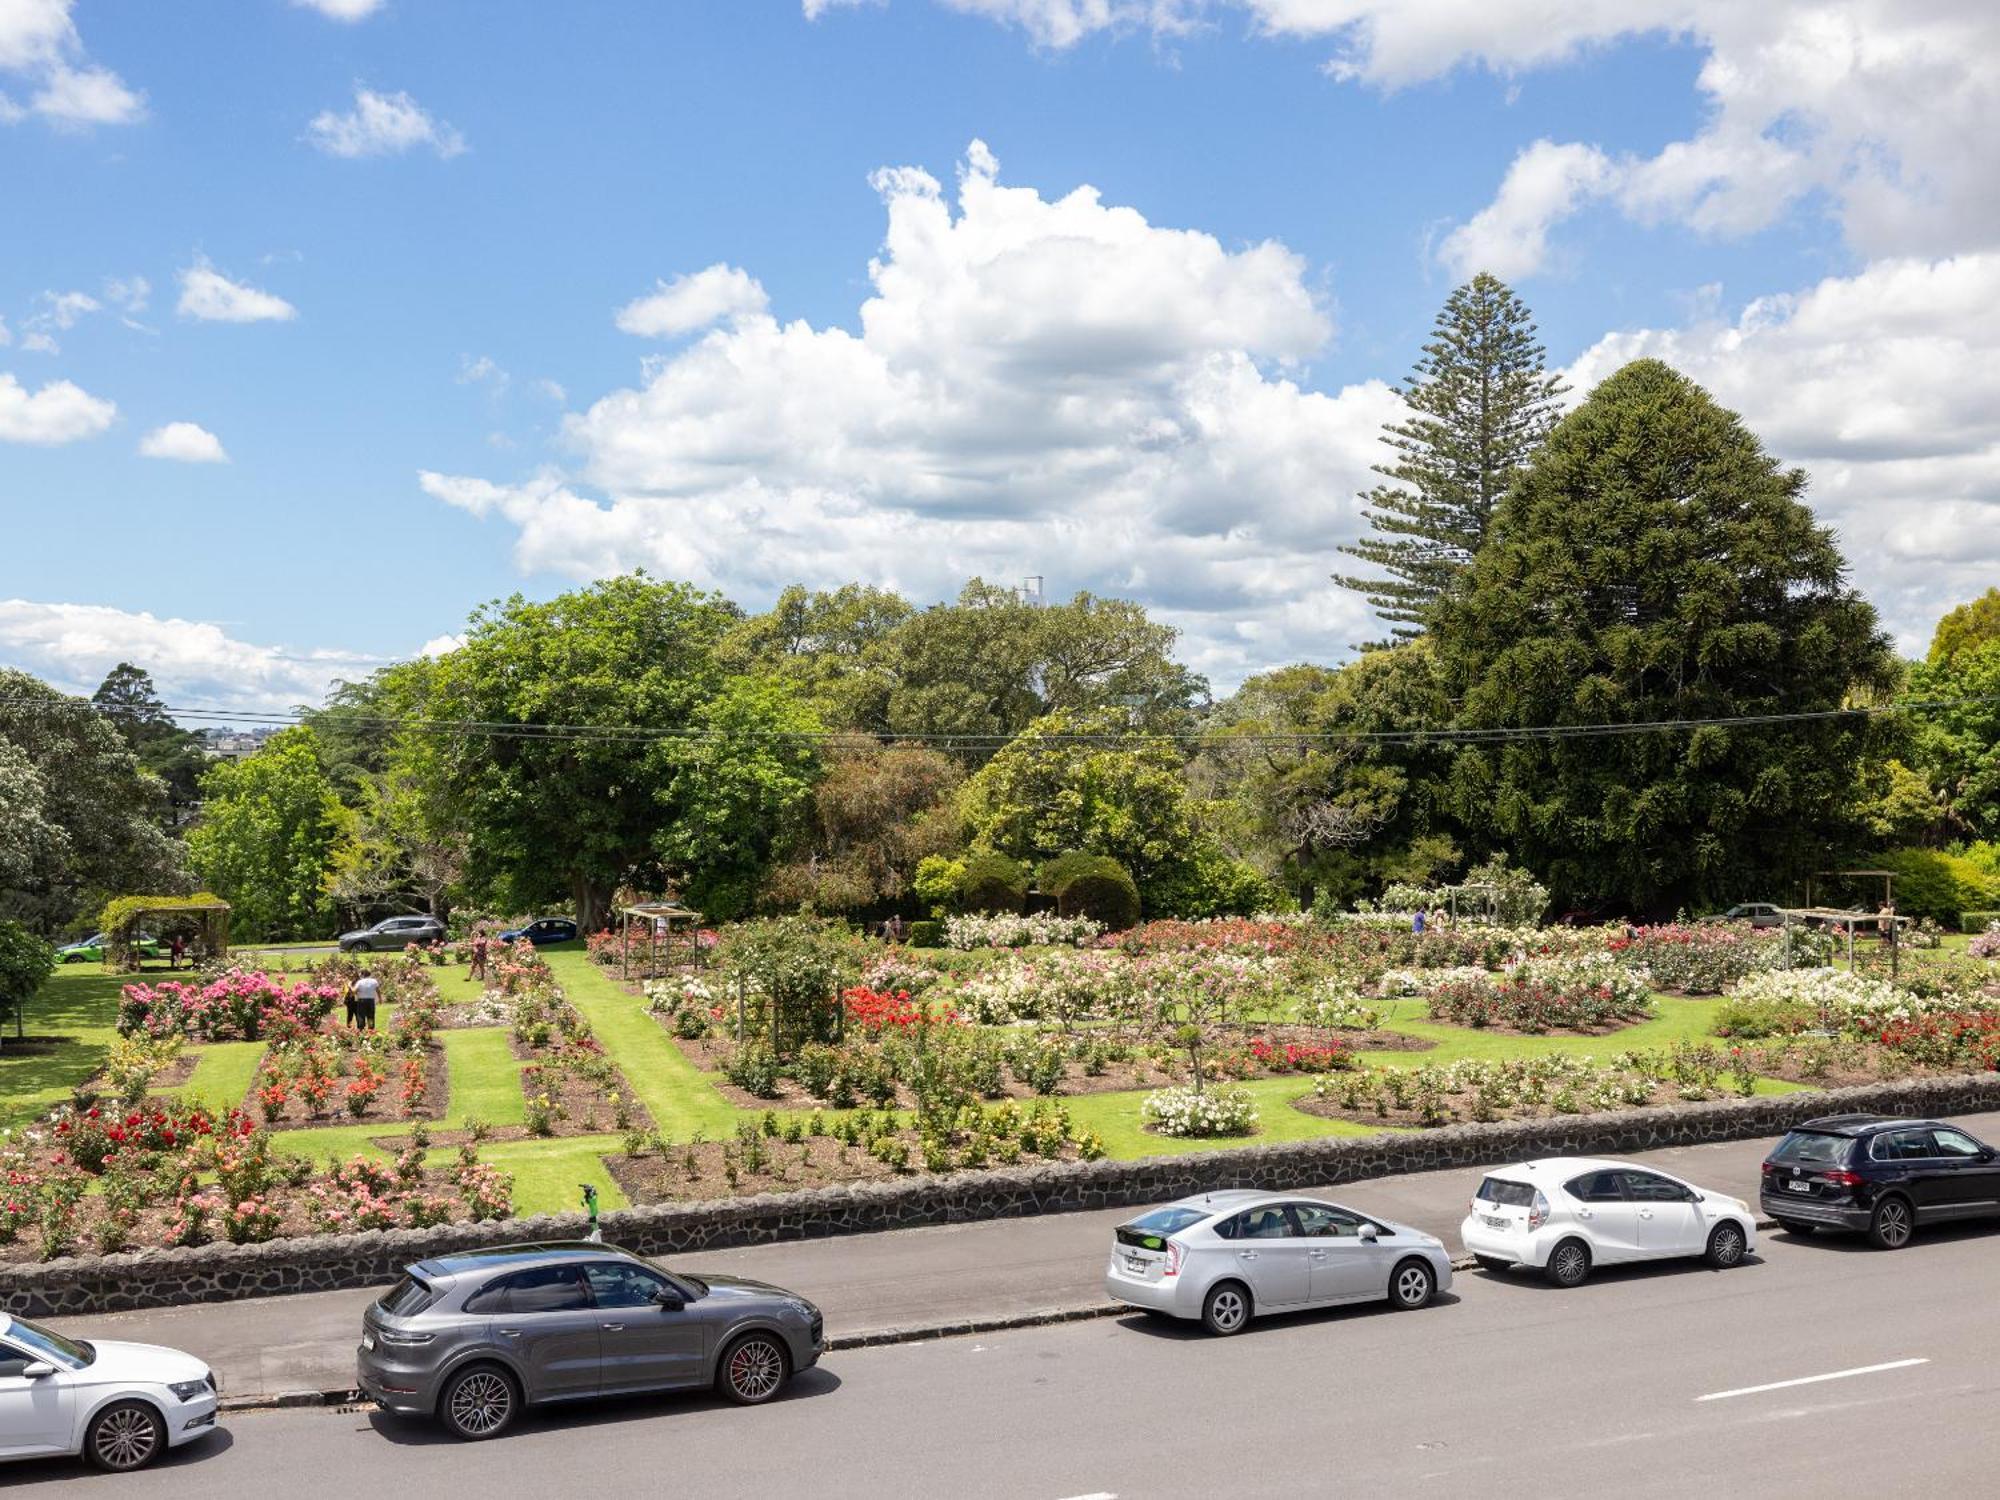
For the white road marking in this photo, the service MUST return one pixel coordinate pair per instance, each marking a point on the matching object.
(1095, 1495)
(1779, 1385)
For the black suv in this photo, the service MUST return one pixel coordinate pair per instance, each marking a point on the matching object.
(1879, 1173)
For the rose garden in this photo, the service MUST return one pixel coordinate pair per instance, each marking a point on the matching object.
(232, 1104)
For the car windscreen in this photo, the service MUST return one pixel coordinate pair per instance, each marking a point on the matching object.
(52, 1346)
(407, 1297)
(1512, 1194)
(1814, 1148)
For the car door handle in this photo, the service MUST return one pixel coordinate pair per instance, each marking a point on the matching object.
(1317, 1254)
(612, 1327)
(1246, 1254)
(510, 1333)
(1583, 1213)
(1645, 1213)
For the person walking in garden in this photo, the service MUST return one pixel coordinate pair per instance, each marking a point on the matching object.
(1417, 922)
(176, 950)
(367, 990)
(479, 955)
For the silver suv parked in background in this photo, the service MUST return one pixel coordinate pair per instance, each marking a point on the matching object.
(473, 1338)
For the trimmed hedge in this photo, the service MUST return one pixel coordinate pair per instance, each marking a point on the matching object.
(1976, 922)
(1936, 884)
(993, 882)
(1092, 885)
(927, 934)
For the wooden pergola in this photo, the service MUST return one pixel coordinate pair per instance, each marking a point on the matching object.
(659, 917)
(210, 916)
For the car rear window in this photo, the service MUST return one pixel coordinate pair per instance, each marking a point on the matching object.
(1813, 1148)
(1512, 1194)
(407, 1297)
(1149, 1231)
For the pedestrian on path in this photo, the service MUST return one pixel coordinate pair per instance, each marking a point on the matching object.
(367, 990)
(1417, 922)
(348, 1003)
(479, 955)
(176, 950)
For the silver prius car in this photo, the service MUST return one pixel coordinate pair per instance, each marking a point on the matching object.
(473, 1338)
(1228, 1257)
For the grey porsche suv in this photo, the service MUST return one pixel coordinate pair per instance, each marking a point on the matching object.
(473, 1338)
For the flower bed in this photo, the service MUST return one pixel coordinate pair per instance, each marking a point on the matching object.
(1699, 959)
(1986, 944)
(234, 1006)
(1585, 994)
(111, 1179)
(1003, 930)
(1186, 1112)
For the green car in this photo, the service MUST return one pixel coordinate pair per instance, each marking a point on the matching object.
(91, 950)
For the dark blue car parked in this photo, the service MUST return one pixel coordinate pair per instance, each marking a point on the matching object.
(541, 930)
(1883, 1175)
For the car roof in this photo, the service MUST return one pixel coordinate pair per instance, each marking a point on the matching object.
(509, 1256)
(1561, 1168)
(1862, 1124)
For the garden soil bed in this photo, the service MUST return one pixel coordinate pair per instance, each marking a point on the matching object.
(387, 1108)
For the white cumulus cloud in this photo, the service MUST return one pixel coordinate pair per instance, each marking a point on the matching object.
(186, 442)
(1885, 387)
(382, 125)
(212, 297)
(39, 45)
(1037, 385)
(342, 10)
(1545, 185)
(196, 664)
(60, 412)
(695, 301)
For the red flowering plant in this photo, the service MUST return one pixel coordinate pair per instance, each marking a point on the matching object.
(883, 1011)
(1301, 1057)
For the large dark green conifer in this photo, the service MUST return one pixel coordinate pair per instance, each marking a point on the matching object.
(1480, 403)
(1655, 564)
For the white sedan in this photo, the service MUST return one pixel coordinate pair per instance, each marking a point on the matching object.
(1566, 1214)
(1228, 1257)
(119, 1405)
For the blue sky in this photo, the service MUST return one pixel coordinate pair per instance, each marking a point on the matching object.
(393, 338)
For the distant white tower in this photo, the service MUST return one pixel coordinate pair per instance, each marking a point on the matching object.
(1030, 591)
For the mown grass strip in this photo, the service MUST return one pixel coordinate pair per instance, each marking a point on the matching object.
(222, 1074)
(483, 1076)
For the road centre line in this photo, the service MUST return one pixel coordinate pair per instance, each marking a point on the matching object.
(1779, 1385)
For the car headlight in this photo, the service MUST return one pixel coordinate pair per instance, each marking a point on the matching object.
(188, 1390)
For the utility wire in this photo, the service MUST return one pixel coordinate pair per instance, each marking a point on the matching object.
(1206, 737)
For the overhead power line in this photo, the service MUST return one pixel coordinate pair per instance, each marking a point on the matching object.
(1196, 737)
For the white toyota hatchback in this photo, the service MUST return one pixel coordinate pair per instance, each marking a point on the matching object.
(119, 1405)
(1228, 1257)
(1565, 1214)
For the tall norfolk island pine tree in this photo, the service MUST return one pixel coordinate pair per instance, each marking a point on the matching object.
(1480, 404)
(1655, 563)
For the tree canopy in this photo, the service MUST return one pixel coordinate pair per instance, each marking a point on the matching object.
(266, 841)
(1655, 564)
(1480, 403)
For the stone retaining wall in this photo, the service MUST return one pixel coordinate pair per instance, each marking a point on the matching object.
(220, 1273)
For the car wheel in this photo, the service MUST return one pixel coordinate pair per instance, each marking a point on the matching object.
(1793, 1226)
(1226, 1308)
(1412, 1285)
(1726, 1246)
(1493, 1263)
(479, 1403)
(1893, 1224)
(753, 1369)
(1569, 1263)
(126, 1435)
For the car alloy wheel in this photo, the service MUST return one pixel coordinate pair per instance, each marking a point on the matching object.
(1726, 1246)
(1226, 1309)
(1569, 1263)
(126, 1436)
(479, 1404)
(1891, 1227)
(1413, 1285)
(754, 1369)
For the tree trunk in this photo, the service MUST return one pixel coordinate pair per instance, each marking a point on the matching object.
(592, 900)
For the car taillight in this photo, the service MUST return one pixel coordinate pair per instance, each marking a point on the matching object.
(1770, 1167)
(1173, 1259)
(1538, 1211)
(1841, 1178)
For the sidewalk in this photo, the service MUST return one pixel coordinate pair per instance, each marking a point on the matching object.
(872, 1288)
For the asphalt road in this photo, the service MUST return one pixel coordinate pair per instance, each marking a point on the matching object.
(911, 1278)
(1643, 1382)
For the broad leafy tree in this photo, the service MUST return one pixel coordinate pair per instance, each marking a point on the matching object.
(1655, 563)
(1480, 402)
(270, 824)
(1957, 746)
(875, 815)
(79, 816)
(829, 646)
(1966, 628)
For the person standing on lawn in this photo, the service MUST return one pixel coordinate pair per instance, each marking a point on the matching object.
(176, 950)
(367, 990)
(479, 955)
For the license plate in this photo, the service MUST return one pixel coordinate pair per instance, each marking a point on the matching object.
(1133, 1263)
(1496, 1223)
(1799, 1187)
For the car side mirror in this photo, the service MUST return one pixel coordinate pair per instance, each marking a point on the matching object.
(669, 1300)
(37, 1369)
(1367, 1232)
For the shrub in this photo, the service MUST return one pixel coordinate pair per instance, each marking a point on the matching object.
(1181, 1111)
(992, 882)
(1094, 886)
(927, 934)
(753, 1067)
(25, 962)
(1209, 884)
(1933, 883)
(1009, 931)
(1987, 944)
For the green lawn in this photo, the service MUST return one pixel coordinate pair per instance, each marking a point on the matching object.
(222, 1073)
(77, 1010)
(675, 1092)
(484, 1077)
